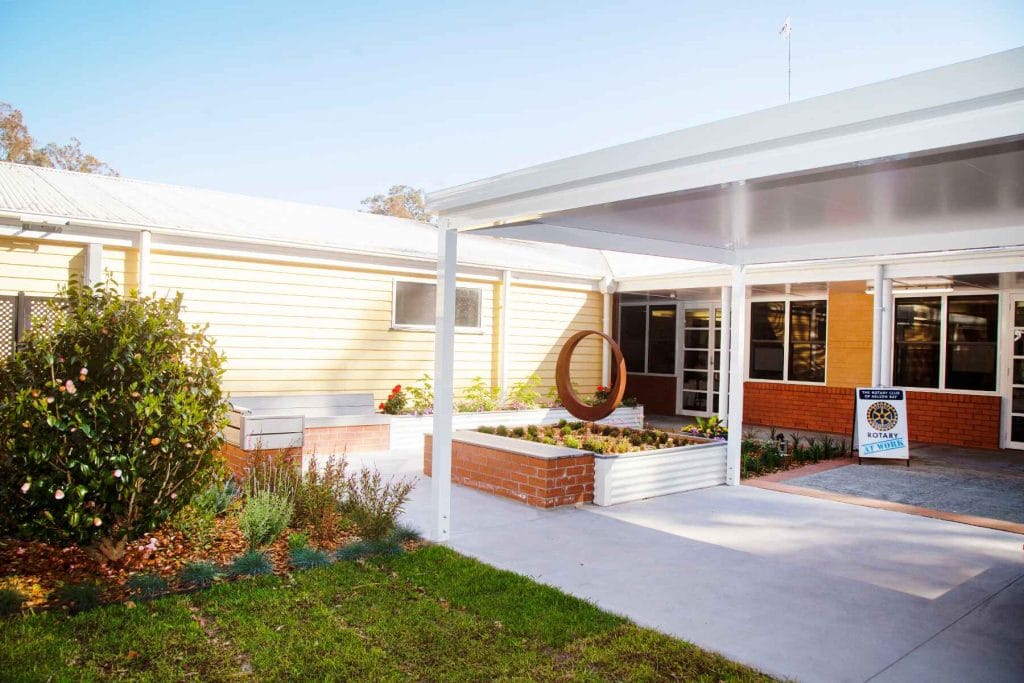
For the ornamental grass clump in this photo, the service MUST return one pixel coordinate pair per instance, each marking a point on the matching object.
(110, 420)
(146, 585)
(373, 505)
(309, 558)
(199, 574)
(265, 516)
(404, 533)
(252, 563)
(80, 597)
(362, 549)
(11, 602)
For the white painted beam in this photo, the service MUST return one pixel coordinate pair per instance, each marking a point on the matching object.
(92, 272)
(876, 328)
(503, 332)
(725, 353)
(444, 370)
(885, 350)
(737, 373)
(145, 242)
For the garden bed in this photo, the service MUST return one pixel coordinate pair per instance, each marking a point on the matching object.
(577, 462)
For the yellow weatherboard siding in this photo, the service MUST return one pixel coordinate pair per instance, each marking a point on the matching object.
(299, 328)
(850, 321)
(41, 268)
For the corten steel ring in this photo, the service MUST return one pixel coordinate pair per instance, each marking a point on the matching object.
(568, 396)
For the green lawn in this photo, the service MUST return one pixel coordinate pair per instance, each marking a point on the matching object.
(429, 615)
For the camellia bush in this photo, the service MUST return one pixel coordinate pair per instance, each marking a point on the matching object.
(109, 422)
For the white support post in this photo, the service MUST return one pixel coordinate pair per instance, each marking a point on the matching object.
(737, 372)
(145, 239)
(885, 357)
(876, 330)
(444, 366)
(503, 336)
(606, 327)
(93, 271)
(724, 352)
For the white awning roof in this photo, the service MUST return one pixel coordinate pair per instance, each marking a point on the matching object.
(927, 162)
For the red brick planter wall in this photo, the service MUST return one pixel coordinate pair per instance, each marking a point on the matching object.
(541, 482)
(656, 394)
(238, 458)
(347, 439)
(935, 417)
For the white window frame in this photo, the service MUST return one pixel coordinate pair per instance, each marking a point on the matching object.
(943, 313)
(404, 327)
(787, 299)
(647, 332)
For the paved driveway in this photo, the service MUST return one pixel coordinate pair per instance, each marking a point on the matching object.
(798, 587)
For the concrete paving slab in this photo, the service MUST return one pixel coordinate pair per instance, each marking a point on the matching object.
(798, 587)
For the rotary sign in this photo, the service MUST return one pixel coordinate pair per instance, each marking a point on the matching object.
(882, 424)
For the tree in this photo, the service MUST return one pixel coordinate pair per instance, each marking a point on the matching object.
(17, 145)
(400, 201)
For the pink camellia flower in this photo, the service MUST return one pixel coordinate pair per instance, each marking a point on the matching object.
(96, 521)
(117, 474)
(70, 386)
(174, 496)
(26, 486)
(58, 494)
(49, 399)
(83, 371)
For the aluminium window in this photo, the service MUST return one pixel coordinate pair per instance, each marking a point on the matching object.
(415, 305)
(647, 338)
(946, 342)
(787, 340)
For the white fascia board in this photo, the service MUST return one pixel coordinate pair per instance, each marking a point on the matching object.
(879, 246)
(70, 234)
(954, 94)
(611, 241)
(855, 146)
(697, 279)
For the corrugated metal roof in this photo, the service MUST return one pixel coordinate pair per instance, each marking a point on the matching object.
(160, 207)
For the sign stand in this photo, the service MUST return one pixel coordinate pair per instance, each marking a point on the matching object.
(880, 424)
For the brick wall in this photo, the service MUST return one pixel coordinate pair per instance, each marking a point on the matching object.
(656, 394)
(935, 417)
(850, 323)
(237, 458)
(346, 439)
(540, 482)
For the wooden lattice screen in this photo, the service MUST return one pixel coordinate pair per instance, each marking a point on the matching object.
(18, 314)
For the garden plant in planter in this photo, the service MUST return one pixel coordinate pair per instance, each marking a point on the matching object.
(110, 421)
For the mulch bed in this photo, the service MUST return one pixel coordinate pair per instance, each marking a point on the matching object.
(38, 569)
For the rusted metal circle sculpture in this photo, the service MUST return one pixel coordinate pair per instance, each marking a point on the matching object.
(568, 396)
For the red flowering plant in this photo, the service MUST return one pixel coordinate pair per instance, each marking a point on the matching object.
(601, 393)
(395, 403)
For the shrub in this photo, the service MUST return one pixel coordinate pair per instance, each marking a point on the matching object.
(479, 397)
(196, 524)
(395, 402)
(251, 563)
(264, 517)
(146, 585)
(10, 602)
(200, 574)
(485, 430)
(593, 446)
(404, 533)
(309, 558)
(270, 472)
(373, 505)
(319, 494)
(358, 550)
(422, 396)
(80, 597)
(571, 442)
(297, 541)
(524, 395)
(110, 421)
(630, 402)
(518, 432)
(216, 498)
(501, 430)
(562, 423)
(532, 430)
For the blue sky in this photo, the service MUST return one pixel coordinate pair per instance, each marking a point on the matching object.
(330, 102)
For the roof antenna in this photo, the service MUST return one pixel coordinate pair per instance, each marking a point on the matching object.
(787, 32)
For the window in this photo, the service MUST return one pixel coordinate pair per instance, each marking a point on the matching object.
(965, 334)
(787, 340)
(647, 337)
(416, 304)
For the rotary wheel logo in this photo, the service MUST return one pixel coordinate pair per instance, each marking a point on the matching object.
(883, 416)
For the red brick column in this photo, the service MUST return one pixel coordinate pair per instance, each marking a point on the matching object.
(541, 482)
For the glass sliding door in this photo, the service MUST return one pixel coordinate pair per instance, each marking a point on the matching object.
(1016, 412)
(700, 342)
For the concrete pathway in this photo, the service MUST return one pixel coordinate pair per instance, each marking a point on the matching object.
(798, 587)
